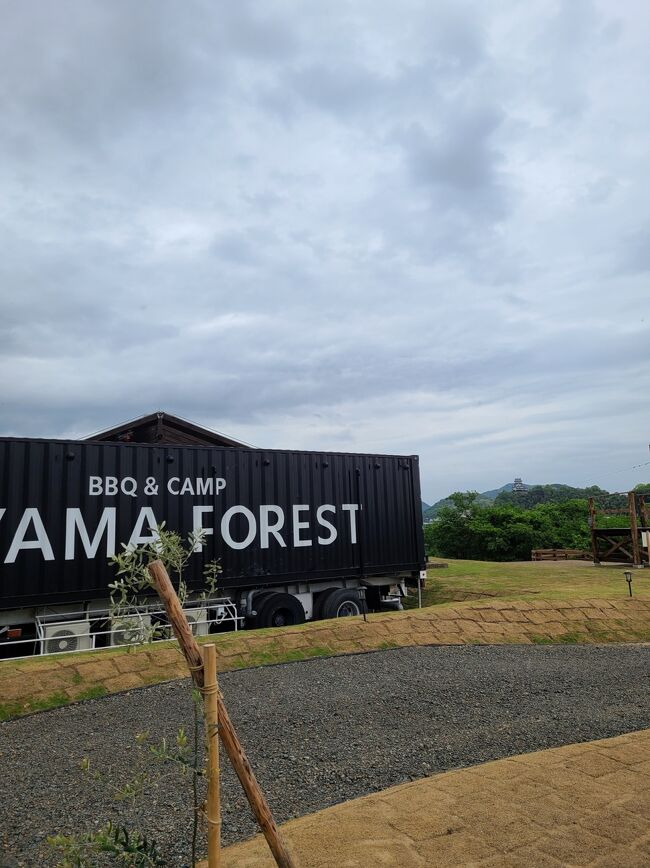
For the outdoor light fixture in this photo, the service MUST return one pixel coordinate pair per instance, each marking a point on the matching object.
(628, 579)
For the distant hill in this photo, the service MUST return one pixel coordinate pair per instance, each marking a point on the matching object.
(558, 493)
(425, 506)
(485, 497)
(535, 494)
(495, 492)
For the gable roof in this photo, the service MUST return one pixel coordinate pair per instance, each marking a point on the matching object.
(162, 427)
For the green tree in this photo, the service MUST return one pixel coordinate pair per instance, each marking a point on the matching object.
(466, 529)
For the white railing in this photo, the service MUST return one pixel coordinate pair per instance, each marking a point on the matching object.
(78, 631)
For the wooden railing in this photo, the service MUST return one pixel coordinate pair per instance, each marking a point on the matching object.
(626, 545)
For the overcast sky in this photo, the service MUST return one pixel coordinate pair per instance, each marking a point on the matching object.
(407, 227)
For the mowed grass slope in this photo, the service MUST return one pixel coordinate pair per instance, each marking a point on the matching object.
(529, 580)
(468, 602)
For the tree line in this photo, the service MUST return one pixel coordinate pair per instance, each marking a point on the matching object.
(469, 530)
(541, 494)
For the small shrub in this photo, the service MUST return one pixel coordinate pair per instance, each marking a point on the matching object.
(127, 847)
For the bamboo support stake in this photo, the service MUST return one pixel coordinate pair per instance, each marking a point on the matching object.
(213, 812)
(182, 630)
(192, 653)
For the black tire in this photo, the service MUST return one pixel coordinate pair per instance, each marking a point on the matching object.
(280, 610)
(320, 602)
(258, 601)
(342, 603)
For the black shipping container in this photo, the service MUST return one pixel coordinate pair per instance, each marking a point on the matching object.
(270, 516)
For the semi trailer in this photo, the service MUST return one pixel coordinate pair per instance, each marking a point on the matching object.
(297, 535)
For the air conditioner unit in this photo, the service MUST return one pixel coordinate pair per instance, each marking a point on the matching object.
(130, 629)
(198, 621)
(61, 636)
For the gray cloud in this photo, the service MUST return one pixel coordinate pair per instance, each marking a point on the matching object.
(634, 253)
(407, 229)
(459, 165)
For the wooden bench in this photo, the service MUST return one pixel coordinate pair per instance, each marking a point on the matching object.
(560, 555)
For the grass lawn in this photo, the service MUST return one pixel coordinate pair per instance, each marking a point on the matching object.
(527, 580)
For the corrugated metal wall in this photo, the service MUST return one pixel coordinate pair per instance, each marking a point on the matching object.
(53, 476)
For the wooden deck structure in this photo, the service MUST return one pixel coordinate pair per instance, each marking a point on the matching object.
(621, 545)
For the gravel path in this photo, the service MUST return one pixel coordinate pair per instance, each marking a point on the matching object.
(317, 733)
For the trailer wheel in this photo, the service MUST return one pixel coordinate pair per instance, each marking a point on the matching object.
(260, 598)
(342, 603)
(280, 610)
(320, 602)
(258, 601)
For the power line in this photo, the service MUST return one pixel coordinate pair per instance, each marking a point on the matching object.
(633, 467)
(624, 470)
